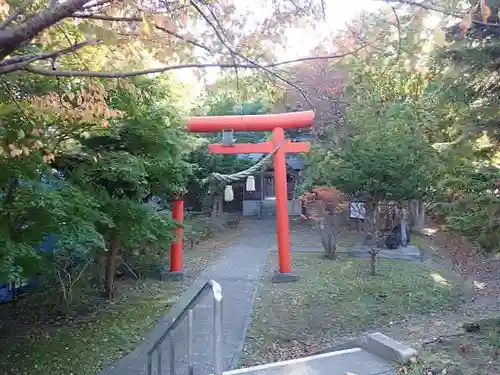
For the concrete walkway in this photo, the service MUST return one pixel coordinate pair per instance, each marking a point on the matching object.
(238, 271)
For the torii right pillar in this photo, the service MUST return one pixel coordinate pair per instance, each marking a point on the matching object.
(275, 123)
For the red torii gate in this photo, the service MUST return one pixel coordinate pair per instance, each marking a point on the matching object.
(275, 123)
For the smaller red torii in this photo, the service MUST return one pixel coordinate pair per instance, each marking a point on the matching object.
(275, 123)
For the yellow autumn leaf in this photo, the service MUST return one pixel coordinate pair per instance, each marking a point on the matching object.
(48, 157)
(16, 152)
(485, 12)
(466, 22)
(107, 35)
(363, 53)
(407, 66)
(163, 20)
(4, 9)
(37, 144)
(146, 26)
(439, 38)
(99, 87)
(427, 47)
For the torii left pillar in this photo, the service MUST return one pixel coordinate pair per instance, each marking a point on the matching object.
(176, 269)
(275, 123)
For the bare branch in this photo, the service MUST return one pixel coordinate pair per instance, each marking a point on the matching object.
(398, 22)
(60, 73)
(16, 102)
(244, 58)
(96, 3)
(19, 62)
(312, 58)
(70, 43)
(427, 7)
(298, 7)
(443, 11)
(138, 19)
(233, 55)
(11, 39)
(266, 68)
(17, 12)
(48, 55)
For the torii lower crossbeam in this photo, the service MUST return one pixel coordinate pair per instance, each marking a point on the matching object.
(277, 123)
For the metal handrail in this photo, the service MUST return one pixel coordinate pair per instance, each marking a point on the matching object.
(216, 290)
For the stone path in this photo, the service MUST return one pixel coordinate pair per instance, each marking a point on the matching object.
(238, 271)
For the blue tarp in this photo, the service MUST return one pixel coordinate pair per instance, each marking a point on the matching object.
(9, 291)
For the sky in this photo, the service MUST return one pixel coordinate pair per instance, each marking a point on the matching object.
(300, 40)
(338, 13)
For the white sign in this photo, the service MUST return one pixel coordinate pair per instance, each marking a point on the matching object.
(357, 210)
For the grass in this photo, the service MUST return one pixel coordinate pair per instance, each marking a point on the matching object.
(334, 299)
(87, 344)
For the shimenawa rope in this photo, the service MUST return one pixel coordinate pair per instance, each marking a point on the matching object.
(228, 178)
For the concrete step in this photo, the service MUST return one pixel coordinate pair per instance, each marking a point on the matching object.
(371, 354)
(268, 208)
(267, 215)
(268, 212)
(269, 203)
(356, 361)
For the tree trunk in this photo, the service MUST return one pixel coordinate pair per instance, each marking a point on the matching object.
(403, 226)
(328, 227)
(371, 233)
(217, 205)
(373, 263)
(371, 230)
(13, 38)
(420, 225)
(109, 277)
(417, 216)
(413, 214)
(329, 244)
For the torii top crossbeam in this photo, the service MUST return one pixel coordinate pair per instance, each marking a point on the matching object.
(275, 123)
(212, 124)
